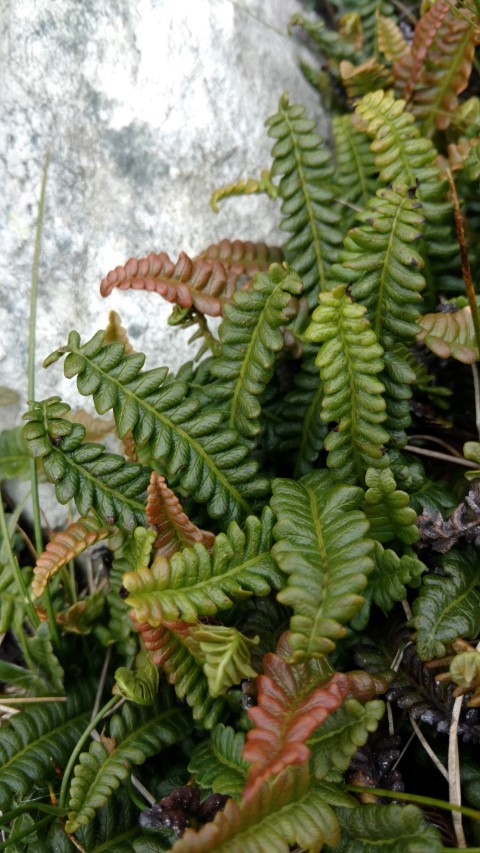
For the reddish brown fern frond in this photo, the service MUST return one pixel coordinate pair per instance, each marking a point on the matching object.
(202, 284)
(157, 641)
(439, 64)
(66, 545)
(289, 709)
(175, 530)
(243, 258)
(116, 332)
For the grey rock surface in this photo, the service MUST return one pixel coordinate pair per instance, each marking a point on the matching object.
(146, 107)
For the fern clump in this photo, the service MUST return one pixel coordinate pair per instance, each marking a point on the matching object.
(277, 541)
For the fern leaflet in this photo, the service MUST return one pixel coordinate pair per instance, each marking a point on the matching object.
(218, 764)
(355, 165)
(450, 335)
(336, 741)
(387, 509)
(392, 829)
(245, 186)
(224, 653)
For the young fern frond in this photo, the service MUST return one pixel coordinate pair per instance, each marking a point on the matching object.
(245, 186)
(450, 335)
(369, 12)
(337, 739)
(82, 471)
(217, 763)
(391, 41)
(138, 733)
(292, 810)
(65, 545)
(349, 361)
(169, 649)
(225, 654)
(242, 257)
(355, 172)
(322, 546)
(209, 461)
(250, 336)
(301, 430)
(387, 509)
(174, 529)
(306, 190)
(196, 583)
(326, 40)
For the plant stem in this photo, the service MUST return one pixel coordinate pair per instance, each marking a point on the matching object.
(25, 832)
(20, 580)
(415, 798)
(76, 752)
(6, 817)
(466, 271)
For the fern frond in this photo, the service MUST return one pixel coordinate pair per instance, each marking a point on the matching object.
(326, 40)
(307, 195)
(169, 649)
(392, 829)
(448, 606)
(349, 361)
(322, 546)
(250, 336)
(137, 734)
(355, 172)
(242, 257)
(391, 41)
(138, 685)
(201, 284)
(173, 527)
(225, 654)
(116, 333)
(388, 582)
(438, 66)
(245, 186)
(64, 546)
(301, 430)
(82, 471)
(210, 462)
(14, 456)
(195, 582)
(33, 740)
(371, 75)
(119, 627)
(336, 741)
(290, 707)
(217, 763)
(450, 335)
(387, 509)
(290, 811)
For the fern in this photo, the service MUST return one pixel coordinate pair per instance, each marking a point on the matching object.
(336, 741)
(210, 462)
(393, 829)
(391, 41)
(450, 334)
(349, 360)
(242, 257)
(32, 739)
(246, 186)
(300, 429)
(196, 583)
(173, 527)
(387, 509)
(290, 811)
(83, 471)
(388, 581)
(217, 763)
(448, 605)
(14, 456)
(225, 654)
(326, 40)
(250, 336)
(137, 734)
(355, 165)
(322, 546)
(306, 192)
(116, 333)
(358, 80)
(169, 648)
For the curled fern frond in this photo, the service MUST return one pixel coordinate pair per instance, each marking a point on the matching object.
(357, 80)
(292, 810)
(225, 654)
(217, 763)
(242, 257)
(245, 186)
(169, 649)
(290, 707)
(306, 192)
(391, 41)
(322, 546)
(450, 335)
(437, 68)
(201, 284)
(250, 336)
(82, 471)
(210, 462)
(336, 741)
(349, 361)
(137, 733)
(64, 546)
(196, 583)
(173, 527)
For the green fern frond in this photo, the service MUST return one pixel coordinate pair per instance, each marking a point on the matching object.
(82, 471)
(300, 429)
(327, 41)
(138, 733)
(322, 546)
(388, 510)
(14, 456)
(138, 685)
(293, 810)
(114, 828)
(450, 335)
(336, 741)
(245, 186)
(196, 583)
(217, 763)
(349, 361)
(33, 740)
(305, 188)
(250, 336)
(225, 654)
(391, 829)
(211, 464)
(388, 582)
(119, 627)
(168, 646)
(355, 172)
(448, 605)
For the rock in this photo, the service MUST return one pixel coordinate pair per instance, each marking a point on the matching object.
(146, 108)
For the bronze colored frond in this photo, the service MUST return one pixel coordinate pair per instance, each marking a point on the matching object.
(242, 257)
(165, 513)
(66, 545)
